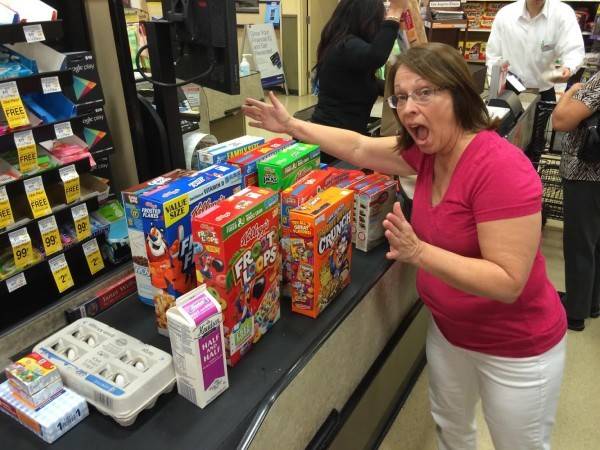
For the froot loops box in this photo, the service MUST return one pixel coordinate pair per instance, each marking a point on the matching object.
(239, 260)
(321, 249)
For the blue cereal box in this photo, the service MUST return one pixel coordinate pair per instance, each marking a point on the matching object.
(166, 216)
(221, 153)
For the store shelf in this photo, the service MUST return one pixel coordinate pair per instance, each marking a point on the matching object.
(33, 83)
(12, 33)
(443, 25)
(478, 30)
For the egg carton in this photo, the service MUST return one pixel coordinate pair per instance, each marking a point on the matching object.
(118, 374)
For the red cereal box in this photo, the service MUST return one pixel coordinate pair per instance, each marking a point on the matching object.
(240, 262)
(321, 249)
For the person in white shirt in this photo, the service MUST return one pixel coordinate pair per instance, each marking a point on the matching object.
(532, 35)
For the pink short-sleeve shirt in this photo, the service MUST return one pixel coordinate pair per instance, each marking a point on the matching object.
(492, 181)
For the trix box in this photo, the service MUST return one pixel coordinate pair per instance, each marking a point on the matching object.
(286, 167)
(248, 162)
(166, 216)
(221, 153)
(135, 228)
(240, 262)
(371, 205)
(321, 249)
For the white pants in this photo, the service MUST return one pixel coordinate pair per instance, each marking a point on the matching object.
(519, 395)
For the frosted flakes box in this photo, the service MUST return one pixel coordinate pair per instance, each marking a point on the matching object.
(166, 216)
(135, 229)
(220, 153)
(248, 162)
(321, 249)
(287, 166)
(240, 262)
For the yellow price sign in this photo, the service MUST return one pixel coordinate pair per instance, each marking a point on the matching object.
(6, 214)
(50, 235)
(93, 256)
(61, 273)
(21, 247)
(81, 219)
(12, 105)
(27, 151)
(36, 195)
(70, 179)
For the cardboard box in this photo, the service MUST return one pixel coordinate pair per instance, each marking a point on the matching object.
(196, 332)
(31, 374)
(135, 228)
(248, 162)
(321, 249)
(51, 421)
(240, 262)
(371, 206)
(221, 153)
(287, 166)
(166, 215)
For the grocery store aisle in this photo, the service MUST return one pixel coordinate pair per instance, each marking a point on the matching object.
(576, 422)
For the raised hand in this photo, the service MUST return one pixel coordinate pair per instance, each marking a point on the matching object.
(273, 117)
(405, 246)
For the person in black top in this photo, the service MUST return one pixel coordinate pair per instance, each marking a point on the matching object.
(356, 41)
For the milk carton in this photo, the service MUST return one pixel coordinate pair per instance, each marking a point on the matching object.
(196, 331)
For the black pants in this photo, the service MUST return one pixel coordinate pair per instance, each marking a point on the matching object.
(581, 247)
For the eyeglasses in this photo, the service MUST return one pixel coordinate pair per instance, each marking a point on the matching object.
(420, 96)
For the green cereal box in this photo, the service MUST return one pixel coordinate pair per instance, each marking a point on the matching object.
(286, 167)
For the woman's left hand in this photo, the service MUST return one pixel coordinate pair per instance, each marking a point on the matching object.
(405, 246)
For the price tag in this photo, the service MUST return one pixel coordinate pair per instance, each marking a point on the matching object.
(93, 256)
(50, 235)
(61, 273)
(34, 33)
(81, 219)
(36, 195)
(12, 105)
(6, 214)
(16, 282)
(21, 247)
(70, 179)
(27, 151)
(51, 85)
(63, 130)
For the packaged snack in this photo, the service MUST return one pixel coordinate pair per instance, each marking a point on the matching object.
(371, 206)
(133, 213)
(31, 374)
(248, 162)
(221, 153)
(52, 420)
(166, 215)
(321, 249)
(40, 398)
(240, 262)
(361, 185)
(196, 333)
(290, 164)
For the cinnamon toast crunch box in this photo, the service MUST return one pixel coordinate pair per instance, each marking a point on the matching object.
(321, 249)
(240, 262)
(166, 215)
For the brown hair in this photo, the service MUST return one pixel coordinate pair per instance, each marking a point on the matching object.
(444, 66)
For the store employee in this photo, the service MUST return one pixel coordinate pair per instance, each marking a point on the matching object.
(532, 35)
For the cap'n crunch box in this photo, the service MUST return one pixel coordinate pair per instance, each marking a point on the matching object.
(284, 168)
(248, 162)
(166, 215)
(240, 262)
(220, 153)
(321, 249)
(135, 229)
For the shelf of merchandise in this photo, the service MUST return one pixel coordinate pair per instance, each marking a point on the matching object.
(33, 83)
(13, 33)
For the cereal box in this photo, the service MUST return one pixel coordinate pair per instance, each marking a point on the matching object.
(283, 169)
(135, 229)
(248, 162)
(196, 333)
(240, 262)
(371, 206)
(166, 215)
(321, 249)
(220, 153)
(32, 373)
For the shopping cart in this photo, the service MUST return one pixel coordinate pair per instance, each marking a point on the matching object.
(544, 152)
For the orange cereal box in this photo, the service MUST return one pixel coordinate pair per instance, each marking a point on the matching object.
(321, 249)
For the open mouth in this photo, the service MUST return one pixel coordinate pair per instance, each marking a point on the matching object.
(419, 133)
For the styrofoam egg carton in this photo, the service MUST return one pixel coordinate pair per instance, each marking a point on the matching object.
(118, 374)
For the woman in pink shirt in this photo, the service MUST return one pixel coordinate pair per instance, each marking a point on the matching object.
(498, 328)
